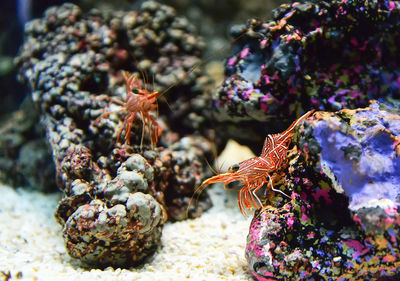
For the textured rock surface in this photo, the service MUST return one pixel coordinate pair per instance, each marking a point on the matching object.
(210, 247)
(117, 196)
(25, 158)
(343, 221)
(325, 55)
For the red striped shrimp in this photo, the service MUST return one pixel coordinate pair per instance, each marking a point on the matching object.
(255, 172)
(138, 104)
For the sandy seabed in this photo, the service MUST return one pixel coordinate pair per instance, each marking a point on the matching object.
(207, 248)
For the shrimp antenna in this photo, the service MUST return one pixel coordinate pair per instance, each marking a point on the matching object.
(142, 73)
(153, 81)
(216, 170)
(166, 101)
(158, 113)
(200, 64)
(144, 78)
(211, 167)
(199, 189)
(197, 192)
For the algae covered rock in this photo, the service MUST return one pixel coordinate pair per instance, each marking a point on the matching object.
(343, 220)
(23, 151)
(117, 196)
(126, 217)
(326, 55)
(121, 235)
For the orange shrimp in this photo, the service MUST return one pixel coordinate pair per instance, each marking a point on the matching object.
(255, 172)
(138, 104)
(141, 102)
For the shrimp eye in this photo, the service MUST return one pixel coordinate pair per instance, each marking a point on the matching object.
(234, 168)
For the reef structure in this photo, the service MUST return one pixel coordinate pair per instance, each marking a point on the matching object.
(23, 150)
(343, 220)
(326, 55)
(117, 196)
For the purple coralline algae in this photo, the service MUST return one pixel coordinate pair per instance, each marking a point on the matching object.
(343, 220)
(326, 55)
(117, 196)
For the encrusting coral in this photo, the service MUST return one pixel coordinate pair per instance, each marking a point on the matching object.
(325, 55)
(343, 220)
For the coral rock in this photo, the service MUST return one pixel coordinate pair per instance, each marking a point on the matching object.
(23, 151)
(117, 196)
(343, 221)
(326, 55)
(118, 235)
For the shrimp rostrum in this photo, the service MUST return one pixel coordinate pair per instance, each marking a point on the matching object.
(255, 172)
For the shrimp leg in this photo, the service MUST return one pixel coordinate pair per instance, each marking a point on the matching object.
(255, 195)
(277, 190)
(129, 128)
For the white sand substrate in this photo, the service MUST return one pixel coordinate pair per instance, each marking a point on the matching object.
(207, 248)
